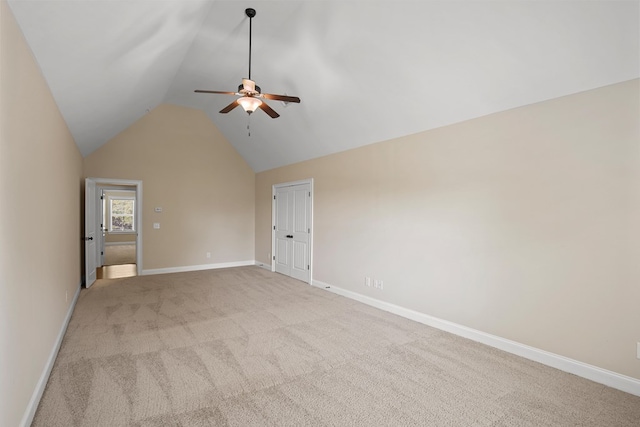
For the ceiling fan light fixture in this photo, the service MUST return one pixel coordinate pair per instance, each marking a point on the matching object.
(249, 92)
(249, 103)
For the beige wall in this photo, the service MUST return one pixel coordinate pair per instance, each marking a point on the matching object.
(522, 224)
(40, 166)
(188, 168)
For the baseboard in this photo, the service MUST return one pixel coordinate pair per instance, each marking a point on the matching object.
(584, 370)
(119, 243)
(197, 267)
(263, 265)
(30, 411)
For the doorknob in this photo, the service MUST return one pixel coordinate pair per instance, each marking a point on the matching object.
(87, 238)
(289, 236)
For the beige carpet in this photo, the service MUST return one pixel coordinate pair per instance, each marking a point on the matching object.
(119, 254)
(246, 347)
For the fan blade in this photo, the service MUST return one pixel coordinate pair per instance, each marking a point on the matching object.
(264, 107)
(284, 98)
(214, 91)
(230, 107)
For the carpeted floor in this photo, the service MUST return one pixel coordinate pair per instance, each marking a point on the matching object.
(119, 254)
(247, 347)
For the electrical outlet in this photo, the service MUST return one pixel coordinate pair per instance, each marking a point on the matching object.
(377, 284)
(208, 254)
(367, 281)
(638, 350)
(380, 284)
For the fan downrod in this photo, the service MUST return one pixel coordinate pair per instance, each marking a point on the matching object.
(250, 12)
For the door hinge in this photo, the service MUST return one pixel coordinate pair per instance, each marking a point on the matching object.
(274, 227)
(274, 257)
(309, 230)
(274, 197)
(309, 193)
(307, 266)
(101, 253)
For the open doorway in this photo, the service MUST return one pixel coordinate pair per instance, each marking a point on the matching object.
(119, 232)
(113, 218)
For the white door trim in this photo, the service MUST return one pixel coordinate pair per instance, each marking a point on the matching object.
(274, 189)
(100, 232)
(112, 182)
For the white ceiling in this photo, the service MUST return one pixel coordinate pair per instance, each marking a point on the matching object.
(366, 71)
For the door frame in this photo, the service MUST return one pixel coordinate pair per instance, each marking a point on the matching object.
(113, 182)
(274, 188)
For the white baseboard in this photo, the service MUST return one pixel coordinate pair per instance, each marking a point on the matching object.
(119, 243)
(590, 372)
(197, 267)
(30, 411)
(263, 265)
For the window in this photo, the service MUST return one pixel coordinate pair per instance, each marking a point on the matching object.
(121, 213)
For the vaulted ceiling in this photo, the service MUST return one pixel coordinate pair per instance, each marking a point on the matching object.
(366, 71)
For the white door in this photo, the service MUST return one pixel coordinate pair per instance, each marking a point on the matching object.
(292, 231)
(90, 237)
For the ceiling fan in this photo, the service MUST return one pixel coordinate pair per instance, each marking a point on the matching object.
(250, 94)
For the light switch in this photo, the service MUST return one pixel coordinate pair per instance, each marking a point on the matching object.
(156, 225)
(158, 209)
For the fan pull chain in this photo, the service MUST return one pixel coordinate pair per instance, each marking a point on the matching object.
(249, 125)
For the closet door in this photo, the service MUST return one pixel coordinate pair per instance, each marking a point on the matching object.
(293, 230)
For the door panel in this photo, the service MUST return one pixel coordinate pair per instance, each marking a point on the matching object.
(300, 210)
(299, 256)
(282, 202)
(90, 237)
(282, 256)
(284, 228)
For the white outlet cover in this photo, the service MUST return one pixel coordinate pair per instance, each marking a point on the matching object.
(156, 225)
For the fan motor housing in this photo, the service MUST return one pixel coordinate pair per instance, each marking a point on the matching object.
(241, 87)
